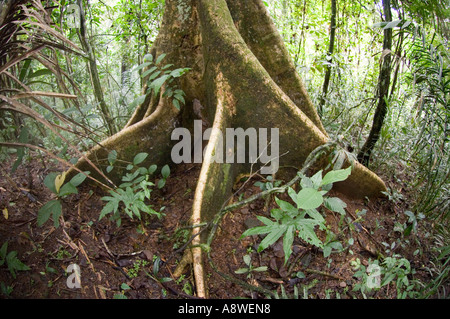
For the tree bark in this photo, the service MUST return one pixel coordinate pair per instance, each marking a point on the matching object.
(384, 81)
(243, 77)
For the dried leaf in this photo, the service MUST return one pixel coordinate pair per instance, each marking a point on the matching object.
(59, 180)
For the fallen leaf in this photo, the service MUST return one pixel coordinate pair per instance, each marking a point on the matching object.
(5, 212)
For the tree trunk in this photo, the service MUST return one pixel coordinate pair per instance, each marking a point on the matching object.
(93, 71)
(243, 77)
(384, 81)
(326, 81)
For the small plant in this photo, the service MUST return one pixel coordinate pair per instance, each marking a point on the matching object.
(55, 182)
(412, 222)
(137, 266)
(134, 191)
(269, 184)
(394, 269)
(158, 75)
(301, 220)
(250, 268)
(11, 260)
(6, 290)
(123, 287)
(331, 243)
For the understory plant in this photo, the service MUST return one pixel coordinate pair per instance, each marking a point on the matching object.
(303, 217)
(131, 195)
(55, 182)
(158, 75)
(391, 270)
(11, 260)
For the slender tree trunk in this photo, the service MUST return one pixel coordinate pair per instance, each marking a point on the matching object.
(93, 71)
(382, 90)
(329, 58)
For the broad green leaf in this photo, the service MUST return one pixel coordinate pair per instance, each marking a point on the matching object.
(108, 208)
(152, 169)
(392, 24)
(112, 157)
(149, 71)
(154, 76)
(306, 182)
(288, 240)
(161, 183)
(180, 98)
(247, 259)
(308, 198)
(160, 58)
(179, 72)
(49, 181)
(336, 176)
(313, 213)
(306, 232)
(156, 84)
(165, 171)
(53, 208)
(287, 207)
(138, 101)
(276, 213)
(176, 103)
(124, 286)
(139, 158)
(79, 178)
(67, 189)
(335, 204)
(143, 65)
(15, 264)
(24, 69)
(379, 24)
(241, 271)
(166, 66)
(317, 179)
(40, 72)
(148, 57)
(275, 234)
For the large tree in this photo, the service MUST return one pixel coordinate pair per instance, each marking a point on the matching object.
(241, 76)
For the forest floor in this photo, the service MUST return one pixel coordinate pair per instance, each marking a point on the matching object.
(110, 256)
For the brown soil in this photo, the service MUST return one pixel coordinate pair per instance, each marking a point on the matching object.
(110, 256)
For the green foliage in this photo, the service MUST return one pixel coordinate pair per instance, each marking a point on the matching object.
(159, 75)
(303, 218)
(135, 189)
(133, 272)
(11, 260)
(250, 268)
(55, 183)
(395, 269)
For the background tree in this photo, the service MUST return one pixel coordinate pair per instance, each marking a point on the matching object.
(330, 52)
(384, 83)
